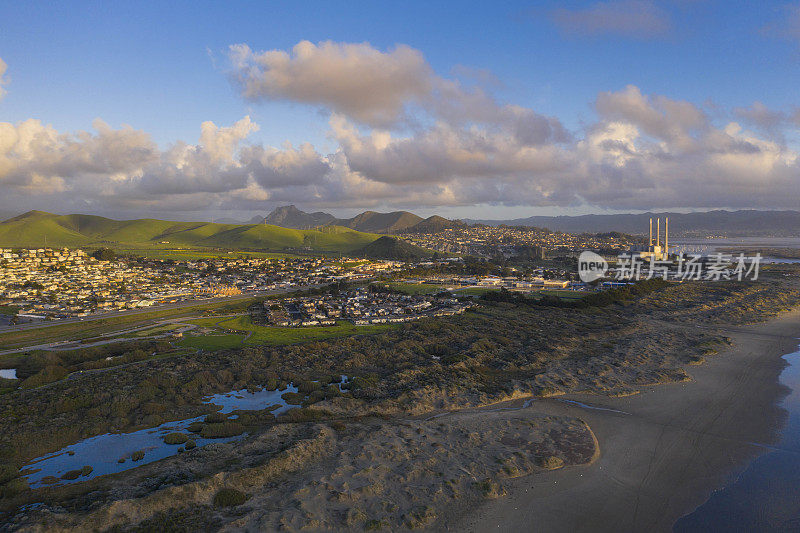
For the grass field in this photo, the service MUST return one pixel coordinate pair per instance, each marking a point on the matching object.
(211, 342)
(266, 335)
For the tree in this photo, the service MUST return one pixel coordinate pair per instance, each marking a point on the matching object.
(104, 254)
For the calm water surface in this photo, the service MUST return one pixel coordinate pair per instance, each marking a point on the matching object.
(104, 452)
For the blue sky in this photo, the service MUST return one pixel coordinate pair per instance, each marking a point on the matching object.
(163, 68)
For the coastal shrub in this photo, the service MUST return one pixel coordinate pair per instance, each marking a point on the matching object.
(13, 487)
(72, 474)
(490, 488)
(221, 430)
(309, 386)
(48, 374)
(195, 427)
(420, 517)
(316, 396)
(293, 398)
(175, 438)
(137, 455)
(271, 384)
(304, 414)
(190, 445)
(86, 470)
(215, 418)
(229, 498)
(550, 462)
(7, 473)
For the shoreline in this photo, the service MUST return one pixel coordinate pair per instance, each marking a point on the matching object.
(663, 452)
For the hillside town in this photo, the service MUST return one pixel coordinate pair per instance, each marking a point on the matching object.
(66, 283)
(536, 243)
(46, 283)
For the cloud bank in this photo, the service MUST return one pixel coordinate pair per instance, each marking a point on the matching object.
(410, 138)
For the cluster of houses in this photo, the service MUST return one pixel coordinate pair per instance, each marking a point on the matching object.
(64, 283)
(360, 306)
(47, 282)
(488, 241)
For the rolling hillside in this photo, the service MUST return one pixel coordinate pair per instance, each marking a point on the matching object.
(289, 216)
(393, 248)
(37, 228)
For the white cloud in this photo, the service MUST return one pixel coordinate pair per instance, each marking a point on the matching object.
(409, 138)
(370, 85)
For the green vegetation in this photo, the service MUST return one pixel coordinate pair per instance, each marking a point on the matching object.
(550, 462)
(266, 335)
(221, 429)
(104, 254)
(594, 299)
(211, 343)
(229, 498)
(41, 367)
(194, 254)
(392, 248)
(37, 228)
(175, 438)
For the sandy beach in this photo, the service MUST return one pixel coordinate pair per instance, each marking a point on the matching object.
(662, 452)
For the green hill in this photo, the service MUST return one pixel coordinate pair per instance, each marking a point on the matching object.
(392, 248)
(37, 228)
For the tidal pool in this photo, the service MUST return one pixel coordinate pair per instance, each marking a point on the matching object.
(103, 453)
(8, 373)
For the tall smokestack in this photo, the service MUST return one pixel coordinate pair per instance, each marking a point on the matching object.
(650, 240)
(658, 232)
(666, 236)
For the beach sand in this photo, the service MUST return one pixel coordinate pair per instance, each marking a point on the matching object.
(662, 452)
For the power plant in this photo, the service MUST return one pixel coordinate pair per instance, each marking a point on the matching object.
(654, 248)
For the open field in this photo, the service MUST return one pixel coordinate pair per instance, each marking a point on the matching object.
(211, 343)
(266, 335)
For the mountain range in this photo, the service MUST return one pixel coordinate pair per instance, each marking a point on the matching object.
(38, 228)
(395, 222)
(740, 223)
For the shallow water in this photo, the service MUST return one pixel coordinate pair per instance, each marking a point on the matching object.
(103, 452)
(765, 496)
